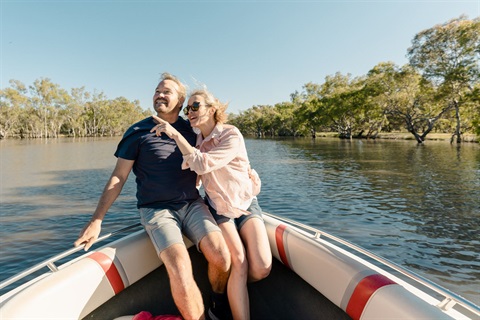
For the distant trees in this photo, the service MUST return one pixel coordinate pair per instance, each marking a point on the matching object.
(404, 98)
(44, 110)
(448, 56)
(437, 91)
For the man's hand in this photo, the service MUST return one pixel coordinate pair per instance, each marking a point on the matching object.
(89, 234)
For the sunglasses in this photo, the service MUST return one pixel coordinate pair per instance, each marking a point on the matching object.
(194, 107)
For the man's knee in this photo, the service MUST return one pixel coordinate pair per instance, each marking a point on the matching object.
(215, 249)
(185, 291)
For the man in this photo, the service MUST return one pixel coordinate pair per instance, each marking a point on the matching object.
(168, 202)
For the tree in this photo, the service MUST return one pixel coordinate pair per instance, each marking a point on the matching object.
(406, 97)
(12, 102)
(310, 104)
(474, 103)
(75, 112)
(287, 119)
(47, 111)
(340, 104)
(448, 55)
(47, 99)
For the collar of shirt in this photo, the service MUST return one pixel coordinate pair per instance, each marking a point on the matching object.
(217, 130)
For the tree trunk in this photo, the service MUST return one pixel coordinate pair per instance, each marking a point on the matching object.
(411, 129)
(458, 127)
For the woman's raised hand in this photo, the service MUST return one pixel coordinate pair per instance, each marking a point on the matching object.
(163, 126)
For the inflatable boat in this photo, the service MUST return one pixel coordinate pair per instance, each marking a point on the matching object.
(314, 275)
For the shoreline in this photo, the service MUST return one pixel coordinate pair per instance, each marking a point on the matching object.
(469, 137)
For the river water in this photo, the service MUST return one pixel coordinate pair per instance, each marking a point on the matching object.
(418, 206)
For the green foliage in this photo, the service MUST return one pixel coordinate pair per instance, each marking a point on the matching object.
(45, 110)
(473, 110)
(437, 91)
(447, 55)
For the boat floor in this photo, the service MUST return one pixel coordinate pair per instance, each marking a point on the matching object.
(282, 295)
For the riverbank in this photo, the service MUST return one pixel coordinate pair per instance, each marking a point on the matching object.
(408, 136)
(468, 137)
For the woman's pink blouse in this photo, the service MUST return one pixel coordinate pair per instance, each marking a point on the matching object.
(222, 163)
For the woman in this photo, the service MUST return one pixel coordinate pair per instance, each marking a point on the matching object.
(220, 159)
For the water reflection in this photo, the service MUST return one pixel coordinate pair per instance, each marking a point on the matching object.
(415, 205)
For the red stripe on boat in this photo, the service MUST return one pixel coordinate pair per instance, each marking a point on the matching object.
(280, 246)
(362, 293)
(110, 270)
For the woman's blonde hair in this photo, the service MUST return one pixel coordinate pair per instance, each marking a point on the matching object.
(220, 115)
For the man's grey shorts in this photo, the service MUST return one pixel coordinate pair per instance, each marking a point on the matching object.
(165, 226)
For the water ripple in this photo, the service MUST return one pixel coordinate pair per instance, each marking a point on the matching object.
(415, 205)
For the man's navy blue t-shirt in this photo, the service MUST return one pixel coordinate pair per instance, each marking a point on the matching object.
(161, 182)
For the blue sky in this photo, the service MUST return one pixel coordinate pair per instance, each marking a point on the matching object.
(246, 52)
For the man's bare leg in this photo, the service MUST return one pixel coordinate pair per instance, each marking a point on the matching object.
(215, 250)
(185, 291)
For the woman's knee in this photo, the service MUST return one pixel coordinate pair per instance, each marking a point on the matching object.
(259, 271)
(239, 262)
